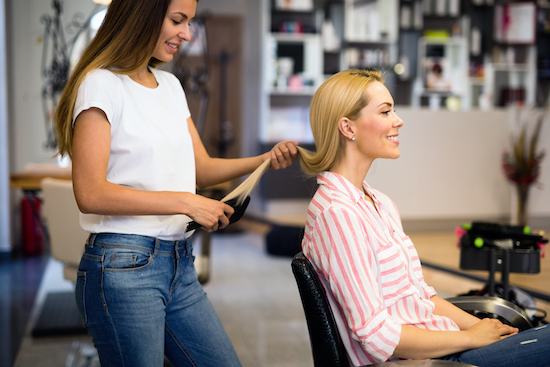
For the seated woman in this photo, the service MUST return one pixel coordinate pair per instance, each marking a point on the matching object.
(367, 264)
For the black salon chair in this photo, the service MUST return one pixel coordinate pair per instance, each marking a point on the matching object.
(326, 345)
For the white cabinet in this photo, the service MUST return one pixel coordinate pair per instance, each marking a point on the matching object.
(511, 78)
(442, 73)
(371, 20)
(295, 63)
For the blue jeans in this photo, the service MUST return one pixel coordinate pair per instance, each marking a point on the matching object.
(140, 300)
(529, 348)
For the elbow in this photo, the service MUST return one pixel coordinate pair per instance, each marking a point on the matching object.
(201, 185)
(86, 203)
(84, 206)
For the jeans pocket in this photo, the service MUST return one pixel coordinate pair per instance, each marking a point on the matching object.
(80, 295)
(126, 259)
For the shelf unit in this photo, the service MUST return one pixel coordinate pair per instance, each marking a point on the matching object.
(332, 39)
(341, 34)
(442, 72)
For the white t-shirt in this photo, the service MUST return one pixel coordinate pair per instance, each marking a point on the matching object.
(151, 147)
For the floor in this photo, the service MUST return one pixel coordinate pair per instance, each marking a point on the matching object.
(253, 292)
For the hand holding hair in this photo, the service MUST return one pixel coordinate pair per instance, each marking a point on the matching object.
(281, 156)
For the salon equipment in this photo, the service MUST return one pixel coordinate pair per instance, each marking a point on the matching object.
(495, 308)
(504, 248)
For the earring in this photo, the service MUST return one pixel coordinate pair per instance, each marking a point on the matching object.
(353, 138)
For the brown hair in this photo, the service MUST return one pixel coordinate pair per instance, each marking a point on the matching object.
(125, 41)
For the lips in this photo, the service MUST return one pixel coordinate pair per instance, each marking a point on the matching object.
(393, 138)
(172, 46)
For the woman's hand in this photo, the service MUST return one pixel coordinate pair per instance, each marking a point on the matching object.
(488, 331)
(210, 214)
(416, 343)
(283, 154)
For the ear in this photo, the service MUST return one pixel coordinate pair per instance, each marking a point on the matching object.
(346, 127)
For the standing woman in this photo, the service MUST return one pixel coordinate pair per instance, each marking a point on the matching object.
(137, 158)
(369, 267)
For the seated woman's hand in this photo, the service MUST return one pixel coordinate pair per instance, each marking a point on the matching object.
(488, 331)
(283, 154)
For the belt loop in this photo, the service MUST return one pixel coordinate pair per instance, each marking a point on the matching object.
(91, 239)
(157, 245)
(188, 247)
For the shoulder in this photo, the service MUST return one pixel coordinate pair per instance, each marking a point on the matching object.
(333, 206)
(102, 75)
(102, 79)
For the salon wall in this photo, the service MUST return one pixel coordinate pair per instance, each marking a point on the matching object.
(449, 171)
(450, 167)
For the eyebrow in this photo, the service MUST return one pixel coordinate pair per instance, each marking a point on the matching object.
(386, 103)
(180, 13)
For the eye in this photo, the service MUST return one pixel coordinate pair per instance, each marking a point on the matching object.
(176, 22)
(386, 112)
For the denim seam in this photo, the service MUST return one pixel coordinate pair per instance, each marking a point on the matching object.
(180, 345)
(129, 270)
(128, 247)
(102, 289)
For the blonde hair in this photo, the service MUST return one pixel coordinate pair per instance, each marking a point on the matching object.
(246, 187)
(125, 41)
(342, 95)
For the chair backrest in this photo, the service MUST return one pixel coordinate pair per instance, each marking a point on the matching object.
(62, 218)
(326, 345)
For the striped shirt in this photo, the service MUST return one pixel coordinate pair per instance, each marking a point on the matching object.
(369, 268)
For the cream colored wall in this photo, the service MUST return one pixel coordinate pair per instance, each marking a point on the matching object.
(450, 166)
(449, 171)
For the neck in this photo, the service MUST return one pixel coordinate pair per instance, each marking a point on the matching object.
(144, 77)
(353, 169)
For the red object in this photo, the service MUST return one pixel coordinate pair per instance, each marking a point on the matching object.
(32, 234)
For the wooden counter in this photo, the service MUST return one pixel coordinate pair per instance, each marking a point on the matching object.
(33, 173)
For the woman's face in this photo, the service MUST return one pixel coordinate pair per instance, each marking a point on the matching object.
(175, 28)
(376, 128)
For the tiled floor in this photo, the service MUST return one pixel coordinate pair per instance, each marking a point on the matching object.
(257, 300)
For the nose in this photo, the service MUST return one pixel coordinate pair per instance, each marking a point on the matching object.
(398, 122)
(185, 33)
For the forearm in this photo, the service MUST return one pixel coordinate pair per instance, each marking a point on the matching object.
(106, 198)
(212, 171)
(418, 343)
(463, 319)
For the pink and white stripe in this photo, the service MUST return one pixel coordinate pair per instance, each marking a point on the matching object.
(369, 267)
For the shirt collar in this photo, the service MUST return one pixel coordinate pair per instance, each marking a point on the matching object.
(337, 182)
